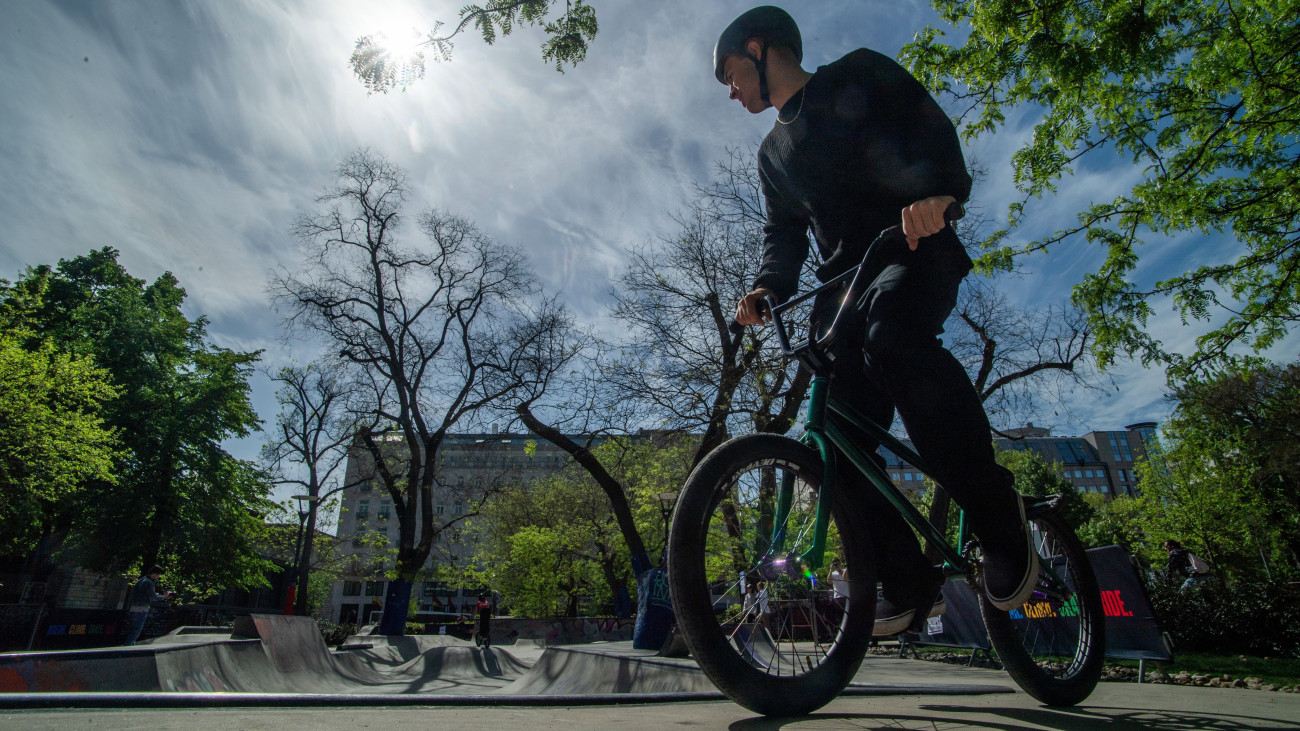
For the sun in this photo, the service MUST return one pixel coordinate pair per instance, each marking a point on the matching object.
(391, 54)
(397, 28)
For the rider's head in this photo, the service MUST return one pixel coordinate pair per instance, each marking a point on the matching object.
(745, 48)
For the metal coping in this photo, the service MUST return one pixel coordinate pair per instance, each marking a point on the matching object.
(291, 700)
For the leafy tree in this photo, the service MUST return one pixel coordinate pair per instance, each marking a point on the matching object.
(1199, 96)
(549, 543)
(1036, 476)
(1257, 408)
(1223, 479)
(375, 64)
(422, 329)
(53, 439)
(179, 499)
(327, 562)
(1116, 521)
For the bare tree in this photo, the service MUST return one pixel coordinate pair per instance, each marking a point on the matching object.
(422, 327)
(679, 366)
(309, 445)
(561, 395)
(676, 301)
(1023, 362)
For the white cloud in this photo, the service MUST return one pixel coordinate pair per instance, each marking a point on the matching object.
(194, 133)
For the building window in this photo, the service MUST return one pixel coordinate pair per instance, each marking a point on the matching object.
(894, 476)
(363, 510)
(437, 510)
(364, 487)
(384, 508)
(352, 588)
(374, 588)
(1078, 474)
(458, 508)
(1087, 473)
(1119, 445)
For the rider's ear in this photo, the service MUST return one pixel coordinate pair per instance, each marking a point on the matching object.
(755, 47)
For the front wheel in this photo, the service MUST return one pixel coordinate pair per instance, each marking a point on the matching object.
(1054, 645)
(764, 625)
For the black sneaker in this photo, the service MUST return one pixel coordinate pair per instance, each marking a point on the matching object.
(1010, 571)
(893, 618)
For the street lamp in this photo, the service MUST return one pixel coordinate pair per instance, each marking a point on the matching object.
(666, 502)
(302, 563)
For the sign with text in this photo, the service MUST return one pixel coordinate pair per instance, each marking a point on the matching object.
(1131, 629)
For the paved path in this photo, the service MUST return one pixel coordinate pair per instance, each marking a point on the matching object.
(544, 685)
(1119, 706)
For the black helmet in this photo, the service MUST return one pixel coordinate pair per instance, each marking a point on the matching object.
(768, 22)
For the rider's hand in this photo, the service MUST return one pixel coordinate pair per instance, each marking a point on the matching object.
(925, 218)
(747, 310)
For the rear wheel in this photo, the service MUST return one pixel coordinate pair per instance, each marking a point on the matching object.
(1054, 645)
(800, 654)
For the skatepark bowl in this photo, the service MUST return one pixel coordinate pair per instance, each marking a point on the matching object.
(277, 660)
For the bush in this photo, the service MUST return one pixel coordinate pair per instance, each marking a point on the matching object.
(1247, 618)
(335, 633)
(415, 628)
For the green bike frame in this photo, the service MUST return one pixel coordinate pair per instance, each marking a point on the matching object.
(824, 430)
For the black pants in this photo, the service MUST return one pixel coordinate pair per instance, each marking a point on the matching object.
(892, 360)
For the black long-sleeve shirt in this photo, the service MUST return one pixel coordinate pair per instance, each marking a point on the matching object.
(867, 141)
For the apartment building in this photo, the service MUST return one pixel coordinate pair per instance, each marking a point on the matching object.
(1103, 462)
(468, 466)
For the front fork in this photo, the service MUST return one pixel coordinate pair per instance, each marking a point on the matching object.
(814, 557)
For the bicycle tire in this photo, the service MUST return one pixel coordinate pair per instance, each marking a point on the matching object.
(799, 659)
(1053, 651)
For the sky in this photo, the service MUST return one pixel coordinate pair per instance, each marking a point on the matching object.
(189, 136)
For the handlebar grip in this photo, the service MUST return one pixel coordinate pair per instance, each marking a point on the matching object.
(764, 305)
(955, 211)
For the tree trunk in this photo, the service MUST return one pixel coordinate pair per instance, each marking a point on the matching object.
(304, 563)
(613, 488)
(397, 601)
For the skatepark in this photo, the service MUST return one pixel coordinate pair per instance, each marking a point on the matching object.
(274, 670)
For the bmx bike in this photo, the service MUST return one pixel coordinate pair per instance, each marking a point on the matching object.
(481, 636)
(765, 507)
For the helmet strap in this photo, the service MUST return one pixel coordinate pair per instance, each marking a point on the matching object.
(760, 63)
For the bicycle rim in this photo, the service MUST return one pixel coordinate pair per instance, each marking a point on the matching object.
(729, 562)
(1053, 645)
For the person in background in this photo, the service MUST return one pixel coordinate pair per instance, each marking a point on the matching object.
(1183, 564)
(483, 610)
(144, 593)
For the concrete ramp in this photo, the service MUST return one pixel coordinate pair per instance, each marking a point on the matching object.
(606, 668)
(282, 660)
(265, 654)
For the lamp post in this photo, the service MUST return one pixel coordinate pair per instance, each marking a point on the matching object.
(666, 502)
(302, 550)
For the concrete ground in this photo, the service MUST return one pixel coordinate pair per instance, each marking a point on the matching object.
(1112, 706)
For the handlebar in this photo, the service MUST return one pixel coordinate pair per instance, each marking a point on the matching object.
(861, 275)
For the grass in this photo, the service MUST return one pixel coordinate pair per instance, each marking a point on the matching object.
(1278, 671)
